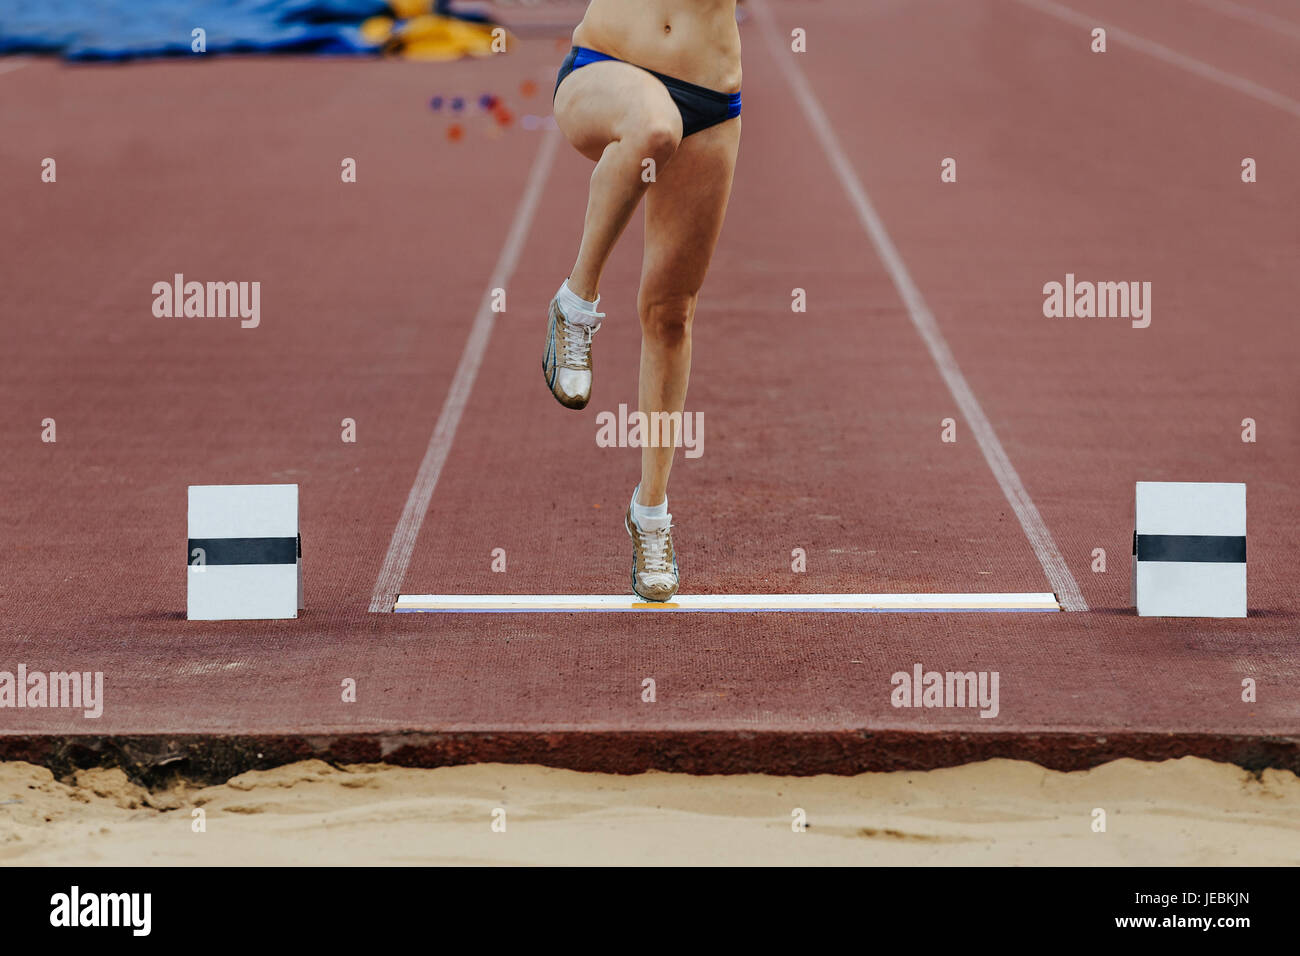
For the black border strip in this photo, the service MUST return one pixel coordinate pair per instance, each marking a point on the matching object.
(1198, 548)
(219, 551)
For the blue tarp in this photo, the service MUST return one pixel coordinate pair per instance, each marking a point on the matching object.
(123, 29)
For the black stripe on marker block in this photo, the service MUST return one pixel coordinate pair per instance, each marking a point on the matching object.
(1204, 548)
(217, 551)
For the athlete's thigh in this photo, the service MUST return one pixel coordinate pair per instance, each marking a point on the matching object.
(609, 100)
(684, 209)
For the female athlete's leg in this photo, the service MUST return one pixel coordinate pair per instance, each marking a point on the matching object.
(683, 217)
(620, 116)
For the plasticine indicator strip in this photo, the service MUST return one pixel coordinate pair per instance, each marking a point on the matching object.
(724, 603)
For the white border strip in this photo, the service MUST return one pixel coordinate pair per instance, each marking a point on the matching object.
(1166, 55)
(1040, 538)
(402, 545)
(8, 66)
(525, 603)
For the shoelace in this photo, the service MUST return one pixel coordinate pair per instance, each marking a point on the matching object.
(654, 547)
(577, 344)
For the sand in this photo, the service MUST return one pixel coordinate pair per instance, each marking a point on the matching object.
(1188, 811)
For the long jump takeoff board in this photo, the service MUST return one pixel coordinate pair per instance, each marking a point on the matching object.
(723, 603)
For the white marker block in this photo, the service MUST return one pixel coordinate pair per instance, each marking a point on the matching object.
(244, 556)
(1189, 549)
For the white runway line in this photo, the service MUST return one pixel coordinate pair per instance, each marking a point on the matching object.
(1040, 538)
(1166, 55)
(723, 603)
(400, 548)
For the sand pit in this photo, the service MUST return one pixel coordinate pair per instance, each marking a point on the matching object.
(1188, 811)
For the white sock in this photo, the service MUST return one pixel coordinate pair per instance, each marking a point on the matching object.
(648, 513)
(575, 308)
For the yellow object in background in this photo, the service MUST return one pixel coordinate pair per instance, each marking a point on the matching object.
(431, 37)
(405, 9)
(377, 30)
(428, 36)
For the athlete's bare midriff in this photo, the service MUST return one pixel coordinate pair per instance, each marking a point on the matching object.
(692, 40)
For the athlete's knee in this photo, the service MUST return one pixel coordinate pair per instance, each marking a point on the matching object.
(655, 140)
(667, 317)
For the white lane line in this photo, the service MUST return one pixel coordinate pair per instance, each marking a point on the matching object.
(1249, 14)
(1040, 538)
(722, 603)
(402, 545)
(1166, 55)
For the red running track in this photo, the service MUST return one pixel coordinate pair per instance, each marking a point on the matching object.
(822, 429)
